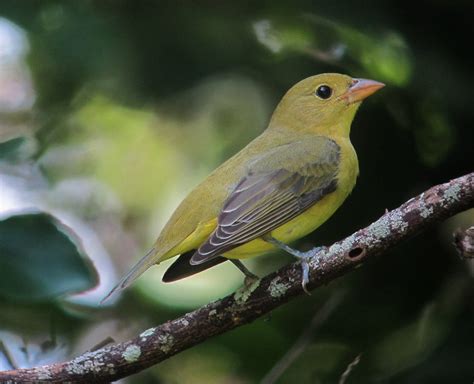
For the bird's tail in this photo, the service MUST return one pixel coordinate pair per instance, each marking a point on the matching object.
(143, 264)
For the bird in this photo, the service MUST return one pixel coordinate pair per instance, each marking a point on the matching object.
(279, 188)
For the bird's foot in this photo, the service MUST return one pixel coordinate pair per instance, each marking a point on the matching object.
(305, 258)
(305, 275)
(250, 279)
(251, 283)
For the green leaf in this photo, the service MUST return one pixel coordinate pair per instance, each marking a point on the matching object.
(39, 260)
(10, 148)
(17, 149)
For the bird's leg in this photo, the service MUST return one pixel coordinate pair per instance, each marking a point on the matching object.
(249, 276)
(302, 256)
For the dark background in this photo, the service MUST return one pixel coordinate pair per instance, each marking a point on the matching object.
(111, 111)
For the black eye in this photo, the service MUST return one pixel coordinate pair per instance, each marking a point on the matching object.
(324, 92)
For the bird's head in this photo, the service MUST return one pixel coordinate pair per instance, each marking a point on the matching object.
(323, 104)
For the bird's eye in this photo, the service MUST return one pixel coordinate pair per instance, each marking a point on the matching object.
(324, 92)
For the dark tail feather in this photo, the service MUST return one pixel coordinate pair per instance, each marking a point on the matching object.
(181, 268)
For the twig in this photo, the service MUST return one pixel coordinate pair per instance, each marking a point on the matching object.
(8, 356)
(305, 338)
(349, 369)
(159, 343)
(464, 242)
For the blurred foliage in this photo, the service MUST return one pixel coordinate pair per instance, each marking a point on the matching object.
(111, 111)
(39, 260)
(9, 150)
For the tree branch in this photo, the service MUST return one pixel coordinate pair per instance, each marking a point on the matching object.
(245, 305)
(464, 242)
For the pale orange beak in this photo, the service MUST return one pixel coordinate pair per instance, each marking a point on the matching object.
(361, 89)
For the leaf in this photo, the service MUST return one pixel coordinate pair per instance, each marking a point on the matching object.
(17, 149)
(9, 149)
(39, 259)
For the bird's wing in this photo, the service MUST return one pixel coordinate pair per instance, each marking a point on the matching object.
(264, 200)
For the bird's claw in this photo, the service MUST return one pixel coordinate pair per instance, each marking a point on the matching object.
(250, 280)
(305, 258)
(305, 275)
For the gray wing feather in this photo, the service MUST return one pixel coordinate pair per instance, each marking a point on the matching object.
(261, 202)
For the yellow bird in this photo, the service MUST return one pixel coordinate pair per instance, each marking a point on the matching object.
(280, 187)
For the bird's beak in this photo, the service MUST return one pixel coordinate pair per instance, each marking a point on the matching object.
(361, 89)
